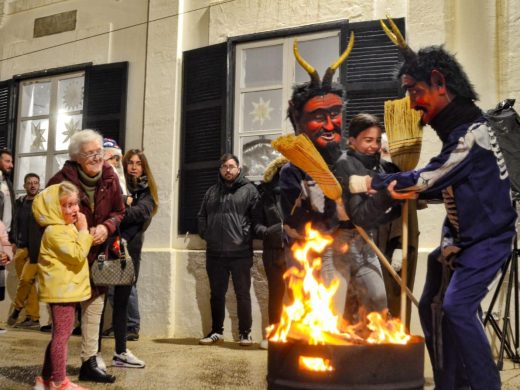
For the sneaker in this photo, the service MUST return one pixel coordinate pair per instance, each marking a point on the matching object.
(127, 359)
(211, 338)
(66, 385)
(132, 334)
(245, 339)
(11, 320)
(28, 323)
(41, 384)
(46, 328)
(264, 344)
(2, 330)
(100, 362)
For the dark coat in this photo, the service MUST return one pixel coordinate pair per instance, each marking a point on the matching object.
(268, 215)
(367, 211)
(225, 218)
(34, 234)
(137, 219)
(108, 203)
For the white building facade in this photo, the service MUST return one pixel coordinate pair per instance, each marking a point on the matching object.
(71, 36)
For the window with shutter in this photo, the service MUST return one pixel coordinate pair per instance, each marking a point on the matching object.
(258, 95)
(203, 138)
(40, 111)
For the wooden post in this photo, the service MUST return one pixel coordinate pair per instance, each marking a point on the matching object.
(404, 265)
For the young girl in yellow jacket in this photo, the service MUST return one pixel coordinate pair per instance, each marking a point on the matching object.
(63, 274)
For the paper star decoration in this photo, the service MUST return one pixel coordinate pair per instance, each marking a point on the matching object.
(73, 96)
(72, 127)
(38, 140)
(262, 111)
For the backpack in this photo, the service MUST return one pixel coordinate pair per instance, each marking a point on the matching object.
(505, 122)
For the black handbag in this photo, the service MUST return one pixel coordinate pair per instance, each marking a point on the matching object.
(113, 272)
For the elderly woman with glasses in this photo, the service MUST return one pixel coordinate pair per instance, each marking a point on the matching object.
(102, 203)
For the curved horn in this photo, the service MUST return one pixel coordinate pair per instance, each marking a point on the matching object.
(315, 78)
(329, 73)
(396, 37)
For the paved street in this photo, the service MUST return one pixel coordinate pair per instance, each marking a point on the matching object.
(170, 364)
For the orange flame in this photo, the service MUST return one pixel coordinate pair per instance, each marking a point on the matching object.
(314, 364)
(310, 317)
(392, 331)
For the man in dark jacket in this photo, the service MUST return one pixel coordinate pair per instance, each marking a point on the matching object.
(27, 236)
(225, 222)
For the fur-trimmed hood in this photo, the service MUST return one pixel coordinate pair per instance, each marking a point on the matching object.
(273, 168)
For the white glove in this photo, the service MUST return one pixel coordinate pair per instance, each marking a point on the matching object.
(357, 184)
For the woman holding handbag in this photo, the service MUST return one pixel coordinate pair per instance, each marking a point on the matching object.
(141, 206)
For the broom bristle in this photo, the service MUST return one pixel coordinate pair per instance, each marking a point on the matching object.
(300, 151)
(404, 133)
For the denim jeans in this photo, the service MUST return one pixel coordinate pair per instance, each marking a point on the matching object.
(362, 270)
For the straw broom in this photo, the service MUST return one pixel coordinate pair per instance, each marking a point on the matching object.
(404, 141)
(300, 151)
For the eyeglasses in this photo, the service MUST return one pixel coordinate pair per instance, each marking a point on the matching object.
(228, 167)
(91, 156)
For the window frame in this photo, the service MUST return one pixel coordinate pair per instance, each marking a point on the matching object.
(285, 36)
(51, 152)
(289, 65)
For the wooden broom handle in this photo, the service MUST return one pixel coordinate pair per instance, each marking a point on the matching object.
(386, 263)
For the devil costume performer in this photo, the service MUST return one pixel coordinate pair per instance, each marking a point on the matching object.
(315, 109)
(469, 175)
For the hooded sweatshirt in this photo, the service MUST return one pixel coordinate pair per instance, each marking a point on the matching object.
(63, 268)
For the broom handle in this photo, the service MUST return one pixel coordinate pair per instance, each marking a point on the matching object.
(385, 262)
(404, 265)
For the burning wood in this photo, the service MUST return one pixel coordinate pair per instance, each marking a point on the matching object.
(311, 319)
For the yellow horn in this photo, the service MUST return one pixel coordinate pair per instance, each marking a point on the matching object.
(315, 78)
(395, 35)
(345, 54)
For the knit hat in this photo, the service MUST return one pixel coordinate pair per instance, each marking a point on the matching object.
(110, 145)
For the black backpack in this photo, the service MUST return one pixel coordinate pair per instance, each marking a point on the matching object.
(505, 122)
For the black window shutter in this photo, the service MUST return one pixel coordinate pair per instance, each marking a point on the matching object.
(8, 92)
(203, 124)
(104, 105)
(371, 69)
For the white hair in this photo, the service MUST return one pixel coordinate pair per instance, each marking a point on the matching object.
(80, 138)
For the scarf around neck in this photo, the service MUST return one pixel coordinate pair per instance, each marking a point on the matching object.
(137, 184)
(89, 185)
(456, 113)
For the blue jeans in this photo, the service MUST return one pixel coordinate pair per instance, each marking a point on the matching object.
(362, 271)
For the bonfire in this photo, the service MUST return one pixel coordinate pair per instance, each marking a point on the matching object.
(311, 319)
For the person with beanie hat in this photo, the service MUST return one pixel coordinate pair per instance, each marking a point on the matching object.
(113, 154)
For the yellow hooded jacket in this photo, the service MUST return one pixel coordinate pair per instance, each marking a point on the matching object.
(63, 268)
